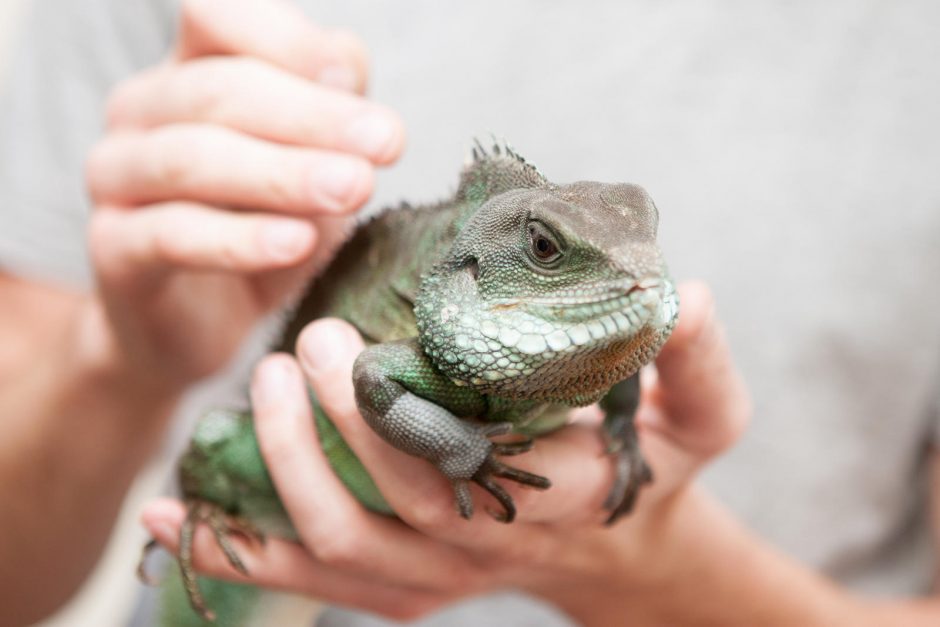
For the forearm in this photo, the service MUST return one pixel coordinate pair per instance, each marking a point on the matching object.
(76, 430)
(715, 572)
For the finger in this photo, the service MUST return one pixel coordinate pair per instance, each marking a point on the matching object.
(277, 32)
(261, 100)
(285, 566)
(219, 166)
(196, 237)
(416, 490)
(706, 403)
(331, 523)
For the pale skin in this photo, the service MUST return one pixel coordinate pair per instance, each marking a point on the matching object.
(246, 128)
(225, 178)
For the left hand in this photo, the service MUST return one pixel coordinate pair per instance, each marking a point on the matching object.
(694, 408)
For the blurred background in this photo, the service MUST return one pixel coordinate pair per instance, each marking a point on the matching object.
(11, 12)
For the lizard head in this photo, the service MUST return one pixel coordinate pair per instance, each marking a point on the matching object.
(550, 293)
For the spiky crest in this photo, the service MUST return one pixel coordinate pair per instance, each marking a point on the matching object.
(487, 173)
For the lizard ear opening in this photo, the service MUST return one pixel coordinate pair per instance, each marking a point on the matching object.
(473, 267)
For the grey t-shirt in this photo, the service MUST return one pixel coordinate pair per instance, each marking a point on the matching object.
(793, 150)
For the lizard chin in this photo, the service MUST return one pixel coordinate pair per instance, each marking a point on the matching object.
(521, 353)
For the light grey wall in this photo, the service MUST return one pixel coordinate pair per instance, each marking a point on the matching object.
(11, 13)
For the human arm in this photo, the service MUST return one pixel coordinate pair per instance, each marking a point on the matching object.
(69, 446)
(91, 377)
(681, 558)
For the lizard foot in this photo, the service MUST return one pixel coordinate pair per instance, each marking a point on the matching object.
(492, 467)
(222, 527)
(631, 472)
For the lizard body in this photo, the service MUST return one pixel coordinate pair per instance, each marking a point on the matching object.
(485, 314)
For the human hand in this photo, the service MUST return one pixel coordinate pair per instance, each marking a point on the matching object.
(225, 179)
(694, 409)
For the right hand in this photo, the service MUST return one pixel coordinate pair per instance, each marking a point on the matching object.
(557, 548)
(225, 179)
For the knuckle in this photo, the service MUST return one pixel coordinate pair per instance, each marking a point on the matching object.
(534, 552)
(524, 499)
(430, 515)
(168, 246)
(339, 549)
(209, 88)
(281, 189)
(98, 169)
(116, 105)
(231, 252)
(465, 580)
(100, 237)
(355, 47)
(512, 554)
(193, 11)
(363, 188)
(174, 149)
(212, 85)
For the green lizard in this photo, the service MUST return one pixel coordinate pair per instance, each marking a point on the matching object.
(489, 313)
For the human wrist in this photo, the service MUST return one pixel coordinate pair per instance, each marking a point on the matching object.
(131, 403)
(607, 572)
(101, 360)
(688, 561)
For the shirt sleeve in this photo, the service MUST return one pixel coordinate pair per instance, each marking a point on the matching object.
(67, 57)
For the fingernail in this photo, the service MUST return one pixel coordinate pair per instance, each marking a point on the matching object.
(321, 351)
(339, 77)
(162, 531)
(285, 241)
(270, 384)
(335, 181)
(372, 134)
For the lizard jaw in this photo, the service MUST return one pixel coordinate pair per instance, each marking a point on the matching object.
(507, 349)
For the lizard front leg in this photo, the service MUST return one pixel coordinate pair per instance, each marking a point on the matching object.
(631, 470)
(411, 405)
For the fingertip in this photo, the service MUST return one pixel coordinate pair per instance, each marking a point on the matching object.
(286, 241)
(696, 311)
(396, 145)
(356, 58)
(323, 344)
(278, 360)
(707, 401)
(163, 518)
(341, 184)
(275, 382)
(363, 191)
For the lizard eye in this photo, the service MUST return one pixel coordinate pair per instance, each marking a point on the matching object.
(542, 244)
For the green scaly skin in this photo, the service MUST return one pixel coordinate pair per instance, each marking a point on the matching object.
(492, 312)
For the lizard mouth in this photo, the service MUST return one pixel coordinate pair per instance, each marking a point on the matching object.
(635, 300)
(563, 323)
(576, 358)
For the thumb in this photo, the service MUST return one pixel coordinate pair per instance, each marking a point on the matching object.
(704, 402)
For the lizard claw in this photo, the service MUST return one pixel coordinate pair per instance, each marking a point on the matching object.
(513, 448)
(631, 472)
(223, 527)
(491, 468)
(494, 468)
